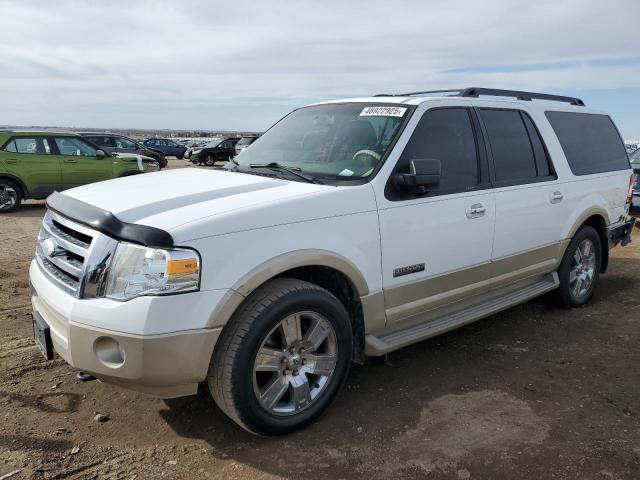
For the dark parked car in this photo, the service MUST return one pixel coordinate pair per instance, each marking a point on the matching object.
(245, 142)
(635, 202)
(218, 150)
(112, 143)
(166, 146)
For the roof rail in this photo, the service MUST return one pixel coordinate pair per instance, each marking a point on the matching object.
(476, 92)
(528, 96)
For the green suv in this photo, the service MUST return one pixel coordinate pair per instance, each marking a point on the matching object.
(35, 164)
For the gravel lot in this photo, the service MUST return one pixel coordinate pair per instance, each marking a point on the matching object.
(534, 392)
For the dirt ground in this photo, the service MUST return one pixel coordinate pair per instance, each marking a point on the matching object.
(534, 392)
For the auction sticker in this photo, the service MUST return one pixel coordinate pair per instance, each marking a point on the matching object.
(382, 111)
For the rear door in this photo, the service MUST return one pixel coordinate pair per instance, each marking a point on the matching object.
(436, 247)
(30, 159)
(79, 163)
(530, 202)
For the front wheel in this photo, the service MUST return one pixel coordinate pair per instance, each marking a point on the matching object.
(282, 358)
(580, 268)
(10, 196)
(210, 160)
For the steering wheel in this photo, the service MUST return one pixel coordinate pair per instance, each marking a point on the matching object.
(367, 157)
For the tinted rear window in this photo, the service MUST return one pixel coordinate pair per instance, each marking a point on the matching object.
(590, 142)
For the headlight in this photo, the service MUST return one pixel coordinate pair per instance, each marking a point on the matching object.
(195, 152)
(136, 271)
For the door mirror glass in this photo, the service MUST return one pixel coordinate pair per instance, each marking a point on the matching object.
(423, 174)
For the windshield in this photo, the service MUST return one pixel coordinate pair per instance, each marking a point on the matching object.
(333, 140)
(213, 143)
(635, 157)
(246, 140)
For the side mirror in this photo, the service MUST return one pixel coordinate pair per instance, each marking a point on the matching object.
(100, 153)
(423, 173)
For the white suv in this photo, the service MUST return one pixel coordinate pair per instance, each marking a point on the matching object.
(350, 228)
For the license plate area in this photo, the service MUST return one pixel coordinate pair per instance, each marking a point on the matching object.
(42, 336)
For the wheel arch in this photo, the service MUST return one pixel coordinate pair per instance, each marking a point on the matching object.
(23, 188)
(596, 218)
(326, 269)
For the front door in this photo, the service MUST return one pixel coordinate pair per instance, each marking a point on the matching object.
(436, 247)
(79, 163)
(29, 158)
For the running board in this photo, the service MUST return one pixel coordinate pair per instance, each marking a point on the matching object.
(385, 343)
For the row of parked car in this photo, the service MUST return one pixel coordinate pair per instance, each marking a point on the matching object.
(33, 164)
(199, 152)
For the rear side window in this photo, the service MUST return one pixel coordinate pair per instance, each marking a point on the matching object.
(32, 145)
(590, 142)
(446, 135)
(511, 147)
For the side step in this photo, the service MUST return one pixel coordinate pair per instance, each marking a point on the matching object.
(385, 343)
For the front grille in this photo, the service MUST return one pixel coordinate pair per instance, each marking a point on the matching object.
(70, 253)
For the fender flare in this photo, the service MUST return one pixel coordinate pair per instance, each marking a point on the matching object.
(277, 265)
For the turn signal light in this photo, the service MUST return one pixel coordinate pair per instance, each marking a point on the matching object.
(183, 266)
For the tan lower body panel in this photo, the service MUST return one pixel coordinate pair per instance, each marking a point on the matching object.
(407, 304)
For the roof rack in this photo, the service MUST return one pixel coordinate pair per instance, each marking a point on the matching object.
(476, 92)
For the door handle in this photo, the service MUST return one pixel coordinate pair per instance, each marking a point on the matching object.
(70, 160)
(12, 161)
(476, 210)
(556, 197)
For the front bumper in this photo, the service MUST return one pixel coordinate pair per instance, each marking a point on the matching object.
(161, 364)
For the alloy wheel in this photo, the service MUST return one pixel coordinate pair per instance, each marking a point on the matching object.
(582, 270)
(8, 196)
(295, 363)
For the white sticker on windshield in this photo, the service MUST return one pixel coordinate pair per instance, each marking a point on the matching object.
(346, 173)
(382, 111)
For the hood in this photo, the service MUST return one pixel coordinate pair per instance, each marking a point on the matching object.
(173, 199)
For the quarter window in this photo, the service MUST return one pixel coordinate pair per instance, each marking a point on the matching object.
(446, 135)
(591, 142)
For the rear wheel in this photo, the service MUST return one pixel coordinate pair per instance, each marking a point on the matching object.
(580, 268)
(10, 196)
(282, 358)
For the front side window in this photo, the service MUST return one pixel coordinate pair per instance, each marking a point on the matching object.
(337, 141)
(73, 146)
(101, 140)
(446, 135)
(122, 142)
(31, 145)
(591, 142)
(635, 158)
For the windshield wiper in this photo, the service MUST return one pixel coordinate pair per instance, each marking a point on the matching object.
(292, 171)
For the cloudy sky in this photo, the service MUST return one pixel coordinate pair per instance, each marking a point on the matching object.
(242, 65)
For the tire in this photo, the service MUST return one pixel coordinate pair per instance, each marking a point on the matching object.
(180, 157)
(237, 386)
(210, 160)
(10, 196)
(579, 270)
